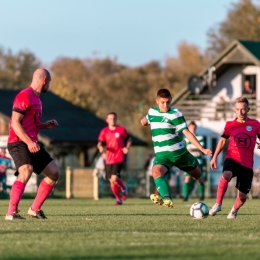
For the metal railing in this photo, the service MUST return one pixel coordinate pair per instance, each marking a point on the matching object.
(197, 107)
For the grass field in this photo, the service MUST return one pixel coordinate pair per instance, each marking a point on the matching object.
(88, 229)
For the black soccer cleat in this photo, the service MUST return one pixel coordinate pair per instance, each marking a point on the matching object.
(36, 214)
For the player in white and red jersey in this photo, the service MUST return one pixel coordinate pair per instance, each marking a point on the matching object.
(239, 160)
(27, 154)
(117, 142)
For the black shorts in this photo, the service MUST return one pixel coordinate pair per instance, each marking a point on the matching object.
(21, 156)
(113, 169)
(244, 175)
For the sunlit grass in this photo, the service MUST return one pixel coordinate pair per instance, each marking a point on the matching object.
(88, 229)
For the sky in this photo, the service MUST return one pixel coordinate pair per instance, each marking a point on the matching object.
(132, 31)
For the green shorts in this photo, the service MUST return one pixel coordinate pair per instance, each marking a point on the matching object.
(185, 162)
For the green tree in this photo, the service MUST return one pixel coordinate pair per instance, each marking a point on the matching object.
(242, 22)
(16, 69)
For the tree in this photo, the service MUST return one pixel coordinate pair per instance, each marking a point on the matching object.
(16, 69)
(242, 22)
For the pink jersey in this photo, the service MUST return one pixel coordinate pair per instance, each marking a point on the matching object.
(28, 104)
(242, 140)
(115, 142)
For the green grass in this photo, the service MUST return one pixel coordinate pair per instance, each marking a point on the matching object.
(88, 229)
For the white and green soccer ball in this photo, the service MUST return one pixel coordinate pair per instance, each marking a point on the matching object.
(199, 210)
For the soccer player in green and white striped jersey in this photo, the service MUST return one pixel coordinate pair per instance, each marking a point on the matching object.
(166, 123)
(189, 183)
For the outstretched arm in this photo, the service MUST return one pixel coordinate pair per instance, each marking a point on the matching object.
(220, 146)
(192, 138)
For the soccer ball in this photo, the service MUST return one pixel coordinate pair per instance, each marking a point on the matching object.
(199, 210)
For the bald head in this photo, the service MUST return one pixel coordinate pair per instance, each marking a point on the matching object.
(41, 80)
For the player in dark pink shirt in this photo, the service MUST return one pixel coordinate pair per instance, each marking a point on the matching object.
(239, 160)
(117, 142)
(27, 154)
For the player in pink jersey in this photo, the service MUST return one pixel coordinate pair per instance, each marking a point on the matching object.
(117, 142)
(239, 161)
(27, 154)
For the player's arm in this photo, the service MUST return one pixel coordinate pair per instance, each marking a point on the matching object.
(127, 146)
(101, 146)
(220, 146)
(195, 142)
(144, 122)
(19, 131)
(49, 124)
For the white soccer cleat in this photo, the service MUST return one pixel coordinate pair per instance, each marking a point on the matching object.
(232, 214)
(215, 209)
(14, 216)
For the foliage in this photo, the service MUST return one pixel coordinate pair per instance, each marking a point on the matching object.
(16, 69)
(88, 229)
(104, 85)
(242, 22)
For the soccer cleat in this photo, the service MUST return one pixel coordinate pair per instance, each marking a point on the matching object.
(185, 199)
(124, 194)
(118, 203)
(165, 201)
(215, 209)
(14, 216)
(157, 199)
(232, 214)
(201, 198)
(36, 214)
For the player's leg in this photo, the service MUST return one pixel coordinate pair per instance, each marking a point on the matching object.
(115, 189)
(228, 173)
(24, 166)
(45, 188)
(244, 183)
(116, 184)
(158, 171)
(201, 185)
(43, 163)
(24, 174)
(119, 182)
(222, 188)
(186, 186)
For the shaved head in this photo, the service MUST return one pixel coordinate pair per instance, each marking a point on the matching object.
(41, 80)
(41, 73)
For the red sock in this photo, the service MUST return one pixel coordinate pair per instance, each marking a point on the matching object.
(15, 196)
(222, 188)
(116, 190)
(121, 184)
(239, 203)
(43, 192)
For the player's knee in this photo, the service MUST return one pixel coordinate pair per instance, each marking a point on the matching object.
(25, 173)
(156, 174)
(56, 174)
(227, 175)
(242, 196)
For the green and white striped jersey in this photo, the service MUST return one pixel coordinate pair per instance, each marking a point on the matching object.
(165, 128)
(194, 150)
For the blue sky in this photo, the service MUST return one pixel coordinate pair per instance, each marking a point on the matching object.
(133, 31)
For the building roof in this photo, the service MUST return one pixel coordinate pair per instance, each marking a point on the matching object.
(253, 47)
(76, 125)
(237, 52)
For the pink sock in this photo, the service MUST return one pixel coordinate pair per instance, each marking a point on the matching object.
(239, 202)
(15, 196)
(222, 188)
(116, 190)
(121, 184)
(43, 192)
